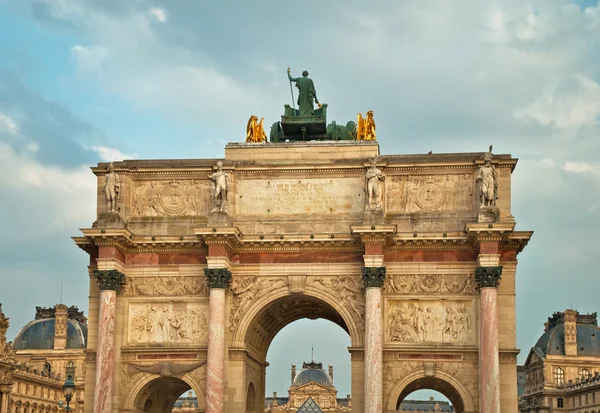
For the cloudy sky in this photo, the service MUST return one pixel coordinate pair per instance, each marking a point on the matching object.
(97, 80)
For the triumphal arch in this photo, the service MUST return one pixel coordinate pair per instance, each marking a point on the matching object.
(195, 265)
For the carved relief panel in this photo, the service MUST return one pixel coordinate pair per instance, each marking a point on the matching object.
(300, 196)
(430, 284)
(431, 321)
(430, 193)
(166, 286)
(170, 198)
(167, 323)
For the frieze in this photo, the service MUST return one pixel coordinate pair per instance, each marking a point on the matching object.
(430, 284)
(170, 198)
(430, 193)
(310, 196)
(167, 324)
(245, 291)
(417, 321)
(168, 356)
(508, 357)
(166, 286)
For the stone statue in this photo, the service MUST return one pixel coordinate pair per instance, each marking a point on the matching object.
(112, 187)
(255, 131)
(221, 181)
(306, 93)
(488, 179)
(366, 127)
(374, 178)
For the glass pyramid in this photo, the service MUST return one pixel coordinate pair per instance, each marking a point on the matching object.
(309, 406)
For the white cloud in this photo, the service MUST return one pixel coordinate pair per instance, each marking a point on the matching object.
(32, 147)
(7, 125)
(107, 154)
(584, 168)
(89, 59)
(572, 104)
(66, 197)
(159, 14)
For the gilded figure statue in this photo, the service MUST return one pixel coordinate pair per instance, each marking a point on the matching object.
(365, 127)
(488, 181)
(112, 189)
(255, 130)
(307, 94)
(221, 187)
(374, 178)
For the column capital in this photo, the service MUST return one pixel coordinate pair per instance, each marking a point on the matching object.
(110, 279)
(488, 276)
(217, 277)
(373, 276)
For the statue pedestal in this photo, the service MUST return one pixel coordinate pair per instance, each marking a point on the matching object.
(488, 215)
(374, 217)
(219, 219)
(109, 220)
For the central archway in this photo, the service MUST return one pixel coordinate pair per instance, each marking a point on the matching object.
(269, 314)
(160, 395)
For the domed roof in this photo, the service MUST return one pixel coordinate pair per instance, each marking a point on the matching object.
(312, 373)
(552, 342)
(39, 335)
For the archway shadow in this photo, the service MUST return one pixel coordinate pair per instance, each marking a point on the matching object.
(160, 395)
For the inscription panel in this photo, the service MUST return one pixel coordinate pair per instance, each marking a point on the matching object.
(300, 196)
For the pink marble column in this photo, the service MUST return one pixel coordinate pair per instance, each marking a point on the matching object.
(373, 397)
(105, 353)
(218, 280)
(110, 282)
(489, 363)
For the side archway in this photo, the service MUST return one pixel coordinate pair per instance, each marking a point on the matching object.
(443, 382)
(251, 399)
(152, 393)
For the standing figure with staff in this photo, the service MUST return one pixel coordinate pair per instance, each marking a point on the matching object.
(307, 94)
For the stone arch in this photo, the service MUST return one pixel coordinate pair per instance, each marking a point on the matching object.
(338, 312)
(251, 399)
(443, 382)
(146, 384)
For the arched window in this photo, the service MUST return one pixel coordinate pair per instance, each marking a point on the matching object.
(560, 402)
(47, 369)
(584, 374)
(70, 370)
(559, 376)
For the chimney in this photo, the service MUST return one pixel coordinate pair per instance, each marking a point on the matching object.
(331, 372)
(293, 373)
(60, 326)
(570, 320)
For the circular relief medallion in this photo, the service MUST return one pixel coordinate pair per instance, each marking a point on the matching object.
(430, 197)
(430, 283)
(172, 199)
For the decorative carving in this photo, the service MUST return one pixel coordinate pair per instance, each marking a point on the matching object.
(373, 276)
(350, 291)
(7, 350)
(220, 181)
(488, 181)
(297, 283)
(430, 193)
(110, 279)
(255, 131)
(164, 368)
(217, 277)
(365, 127)
(166, 286)
(374, 178)
(430, 284)
(246, 290)
(112, 189)
(430, 322)
(167, 323)
(181, 198)
(488, 276)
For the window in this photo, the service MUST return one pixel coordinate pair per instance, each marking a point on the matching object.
(560, 402)
(559, 376)
(70, 370)
(47, 369)
(584, 374)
